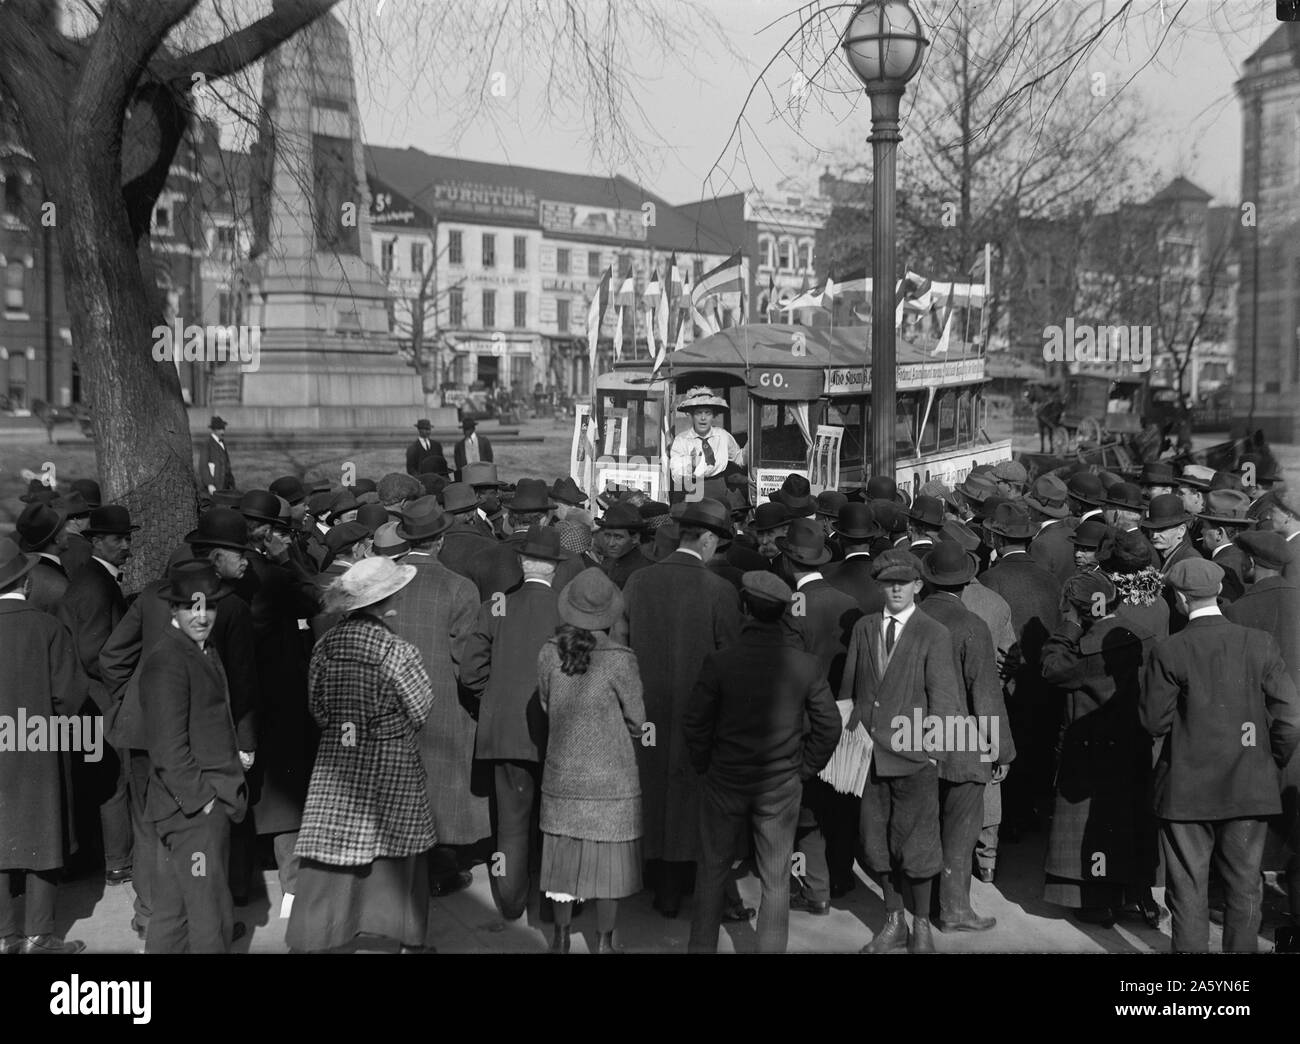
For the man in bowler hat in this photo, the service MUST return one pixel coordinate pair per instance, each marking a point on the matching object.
(425, 445)
(214, 460)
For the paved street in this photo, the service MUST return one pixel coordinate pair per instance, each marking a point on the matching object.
(468, 923)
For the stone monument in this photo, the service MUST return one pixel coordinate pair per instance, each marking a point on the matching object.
(327, 357)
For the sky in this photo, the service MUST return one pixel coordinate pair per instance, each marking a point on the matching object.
(1187, 90)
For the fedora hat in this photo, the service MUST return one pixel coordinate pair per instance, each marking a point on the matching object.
(796, 494)
(14, 562)
(1048, 494)
(977, 487)
(709, 514)
(291, 488)
(1164, 512)
(701, 396)
(341, 502)
(621, 516)
(882, 487)
(1012, 521)
(372, 516)
(1227, 507)
(590, 601)
(220, 527)
(1225, 480)
(89, 489)
(544, 542)
(366, 582)
(73, 505)
(531, 495)
(186, 579)
(770, 516)
(1123, 495)
(38, 493)
(481, 473)
(344, 536)
(566, 491)
(215, 423)
(805, 544)
(227, 497)
(1090, 534)
(927, 511)
(458, 498)
(1086, 488)
(261, 505)
(1196, 476)
(423, 425)
(110, 520)
(830, 502)
(891, 515)
(423, 519)
(858, 522)
(948, 564)
(388, 543)
(38, 525)
(960, 533)
(935, 488)
(468, 424)
(1157, 473)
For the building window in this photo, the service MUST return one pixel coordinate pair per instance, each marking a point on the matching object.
(521, 309)
(224, 308)
(162, 219)
(521, 253)
(562, 261)
(764, 252)
(455, 248)
(489, 250)
(806, 256)
(785, 257)
(386, 256)
(562, 315)
(13, 194)
(455, 307)
(227, 242)
(14, 284)
(593, 264)
(489, 308)
(417, 258)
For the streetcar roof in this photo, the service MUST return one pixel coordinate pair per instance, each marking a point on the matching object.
(789, 346)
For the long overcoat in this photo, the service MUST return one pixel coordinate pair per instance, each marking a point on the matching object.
(435, 613)
(42, 675)
(676, 612)
(370, 696)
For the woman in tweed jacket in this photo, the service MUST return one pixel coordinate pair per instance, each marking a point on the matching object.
(590, 688)
(367, 825)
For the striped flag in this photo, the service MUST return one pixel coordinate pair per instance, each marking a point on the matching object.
(618, 333)
(626, 296)
(596, 316)
(726, 278)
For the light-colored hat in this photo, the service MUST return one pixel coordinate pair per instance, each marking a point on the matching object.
(369, 581)
(701, 396)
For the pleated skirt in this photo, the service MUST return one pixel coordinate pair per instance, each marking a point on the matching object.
(335, 904)
(590, 869)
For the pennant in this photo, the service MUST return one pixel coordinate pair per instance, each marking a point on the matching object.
(596, 316)
(618, 334)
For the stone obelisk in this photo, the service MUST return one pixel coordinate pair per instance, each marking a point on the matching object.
(327, 357)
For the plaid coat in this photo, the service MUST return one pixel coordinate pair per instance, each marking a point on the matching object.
(435, 613)
(370, 695)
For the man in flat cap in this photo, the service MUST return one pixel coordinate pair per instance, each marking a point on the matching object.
(1283, 514)
(760, 724)
(1220, 697)
(699, 456)
(900, 665)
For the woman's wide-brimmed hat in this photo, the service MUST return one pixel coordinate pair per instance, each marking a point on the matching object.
(590, 601)
(366, 582)
(701, 396)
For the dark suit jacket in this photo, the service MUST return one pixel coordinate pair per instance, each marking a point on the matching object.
(853, 577)
(148, 619)
(214, 465)
(416, 453)
(191, 735)
(760, 713)
(92, 606)
(484, 453)
(76, 554)
(49, 584)
(1221, 696)
(822, 622)
(1177, 621)
(1273, 605)
(919, 677)
(1052, 550)
(975, 661)
(1034, 595)
(1236, 565)
(500, 667)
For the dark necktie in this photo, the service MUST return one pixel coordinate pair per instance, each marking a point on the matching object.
(889, 635)
(709, 458)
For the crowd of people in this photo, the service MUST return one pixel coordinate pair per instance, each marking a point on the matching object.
(383, 685)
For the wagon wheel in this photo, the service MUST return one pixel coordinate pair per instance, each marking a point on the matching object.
(1089, 431)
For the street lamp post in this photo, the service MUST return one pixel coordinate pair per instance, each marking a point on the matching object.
(883, 44)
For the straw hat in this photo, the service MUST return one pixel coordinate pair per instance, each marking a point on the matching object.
(701, 396)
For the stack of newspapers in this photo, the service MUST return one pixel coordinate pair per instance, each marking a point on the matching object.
(847, 770)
